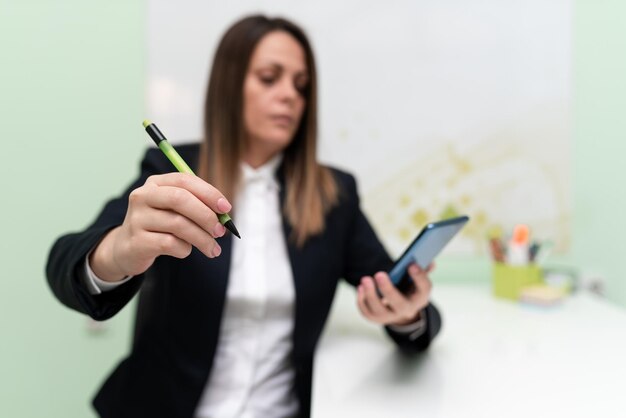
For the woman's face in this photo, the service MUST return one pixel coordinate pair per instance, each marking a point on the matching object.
(273, 100)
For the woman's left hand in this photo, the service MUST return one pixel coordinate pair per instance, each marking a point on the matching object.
(394, 308)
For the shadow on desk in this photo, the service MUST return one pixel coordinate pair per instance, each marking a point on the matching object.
(361, 372)
(402, 367)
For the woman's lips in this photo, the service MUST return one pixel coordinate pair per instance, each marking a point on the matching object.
(284, 120)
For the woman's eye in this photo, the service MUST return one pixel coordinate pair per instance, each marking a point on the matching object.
(301, 87)
(301, 84)
(267, 80)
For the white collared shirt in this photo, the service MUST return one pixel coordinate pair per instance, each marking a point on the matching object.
(252, 374)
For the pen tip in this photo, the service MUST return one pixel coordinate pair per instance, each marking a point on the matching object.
(146, 123)
(231, 227)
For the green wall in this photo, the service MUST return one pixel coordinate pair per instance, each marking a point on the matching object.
(71, 81)
(599, 128)
(72, 77)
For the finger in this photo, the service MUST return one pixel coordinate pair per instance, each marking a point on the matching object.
(208, 194)
(415, 269)
(396, 301)
(360, 298)
(166, 244)
(184, 202)
(423, 286)
(177, 225)
(403, 307)
(373, 302)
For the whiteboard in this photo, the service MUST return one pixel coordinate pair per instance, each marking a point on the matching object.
(436, 106)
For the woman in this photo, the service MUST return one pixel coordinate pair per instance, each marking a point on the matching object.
(228, 327)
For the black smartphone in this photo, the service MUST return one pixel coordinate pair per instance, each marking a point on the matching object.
(423, 250)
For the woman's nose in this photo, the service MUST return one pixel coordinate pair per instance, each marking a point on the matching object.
(287, 90)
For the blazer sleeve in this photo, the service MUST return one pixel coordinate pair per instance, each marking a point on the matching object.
(366, 256)
(67, 255)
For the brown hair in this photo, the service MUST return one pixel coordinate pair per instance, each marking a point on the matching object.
(310, 188)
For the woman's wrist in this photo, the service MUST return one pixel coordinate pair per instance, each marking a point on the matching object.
(409, 321)
(102, 262)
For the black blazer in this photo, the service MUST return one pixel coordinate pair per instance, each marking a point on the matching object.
(181, 301)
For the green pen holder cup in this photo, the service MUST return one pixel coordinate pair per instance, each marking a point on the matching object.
(508, 281)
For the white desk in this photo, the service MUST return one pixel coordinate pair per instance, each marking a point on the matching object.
(493, 358)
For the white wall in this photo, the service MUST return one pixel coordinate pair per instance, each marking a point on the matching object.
(453, 106)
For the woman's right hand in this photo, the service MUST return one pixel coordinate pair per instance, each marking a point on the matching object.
(168, 215)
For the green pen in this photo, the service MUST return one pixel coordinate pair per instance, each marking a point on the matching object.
(180, 164)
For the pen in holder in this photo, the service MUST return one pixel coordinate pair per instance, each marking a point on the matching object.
(514, 268)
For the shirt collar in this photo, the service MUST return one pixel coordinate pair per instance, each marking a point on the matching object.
(265, 173)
